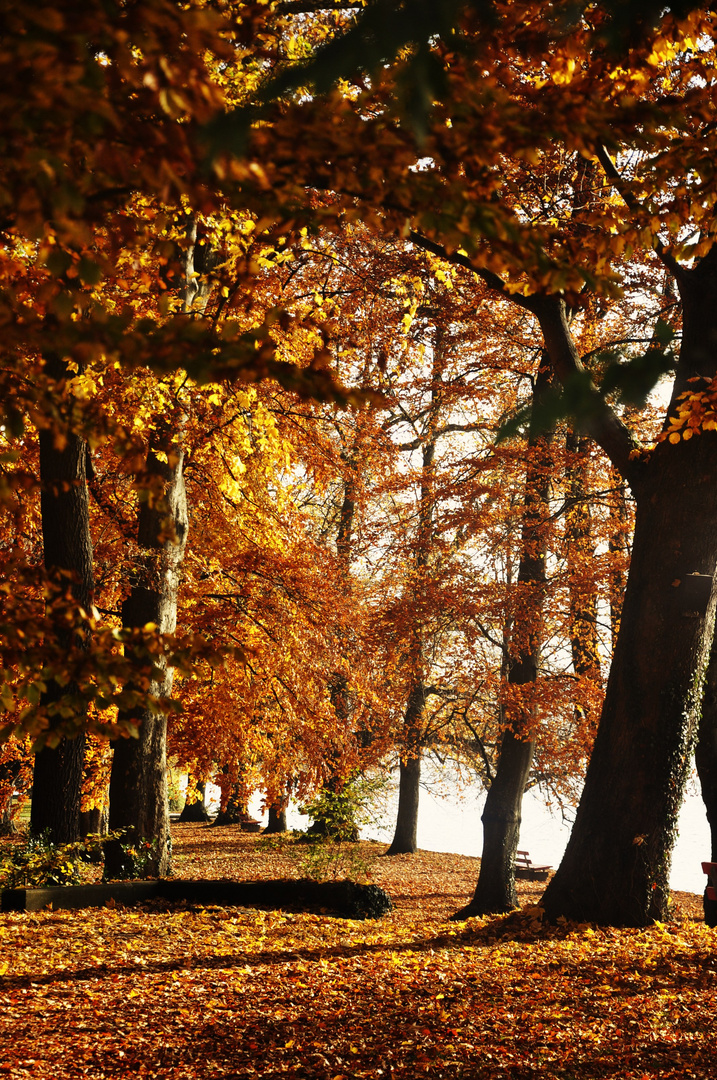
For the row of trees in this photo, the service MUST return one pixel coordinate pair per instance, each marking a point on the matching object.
(336, 575)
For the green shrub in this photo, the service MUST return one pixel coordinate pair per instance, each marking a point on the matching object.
(39, 863)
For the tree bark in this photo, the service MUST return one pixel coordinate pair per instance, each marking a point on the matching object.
(64, 504)
(618, 547)
(405, 837)
(7, 823)
(94, 822)
(138, 783)
(616, 866)
(580, 554)
(706, 749)
(277, 820)
(502, 813)
(196, 811)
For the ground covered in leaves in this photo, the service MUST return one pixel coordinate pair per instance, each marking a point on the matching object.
(187, 993)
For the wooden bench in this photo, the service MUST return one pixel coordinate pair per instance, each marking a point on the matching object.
(527, 871)
(247, 825)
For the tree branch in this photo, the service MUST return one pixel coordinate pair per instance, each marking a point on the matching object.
(603, 424)
(633, 203)
(493, 281)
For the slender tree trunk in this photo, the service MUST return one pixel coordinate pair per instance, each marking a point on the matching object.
(616, 866)
(7, 824)
(138, 783)
(139, 800)
(9, 772)
(64, 503)
(414, 734)
(502, 814)
(338, 684)
(405, 840)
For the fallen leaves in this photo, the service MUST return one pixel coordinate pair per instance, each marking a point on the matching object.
(182, 992)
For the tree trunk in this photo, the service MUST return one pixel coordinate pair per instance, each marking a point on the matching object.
(618, 547)
(277, 820)
(196, 811)
(138, 783)
(7, 823)
(64, 504)
(94, 822)
(236, 809)
(706, 750)
(616, 866)
(502, 813)
(405, 836)
(580, 555)
(414, 733)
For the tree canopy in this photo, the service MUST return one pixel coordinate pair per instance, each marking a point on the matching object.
(341, 345)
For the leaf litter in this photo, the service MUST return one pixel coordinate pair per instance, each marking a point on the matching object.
(180, 992)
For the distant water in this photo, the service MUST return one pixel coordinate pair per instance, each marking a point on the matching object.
(449, 820)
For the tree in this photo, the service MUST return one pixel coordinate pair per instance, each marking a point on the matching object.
(495, 890)
(138, 783)
(533, 251)
(67, 546)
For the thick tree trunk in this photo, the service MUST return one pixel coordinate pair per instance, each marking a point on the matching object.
(64, 503)
(706, 750)
(138, 783)
(580, 555)
(405, 840)
(616, 867)
(196, 811)
(235, 810)
(277, 820)
(502, 813)
(618, 547)
(94, 822)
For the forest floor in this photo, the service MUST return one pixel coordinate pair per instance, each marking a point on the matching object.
(185, 992)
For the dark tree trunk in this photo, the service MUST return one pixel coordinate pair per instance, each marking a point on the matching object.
(495, 890)
(64, 503)
(706, 750)
(197, 810)
(236, 809)
(138, 783)
(405, 836)
(580, 554)
(618, 547)
(338, 684)
(414, 729)
(616, 866)
(94, 822)
(277, 820)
